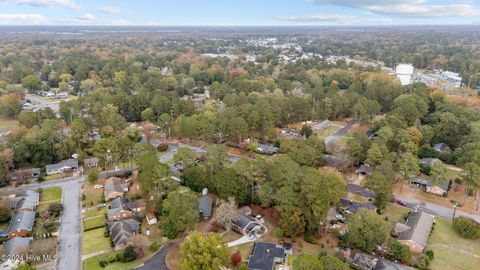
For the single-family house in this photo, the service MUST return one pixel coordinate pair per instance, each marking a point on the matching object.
(17, 246)
(362, 191)
(351, 207)
(442, 148)
(364, 170)
(25, 174)
(121, 231)
(28, 202)
(428, 186)
(151, 219)
(364, 261)
(205, 205)
(91, 162)
(267, 149)
(265, 256)
(245, 225)
(67, 165)
(428, 162)
(137, 206)
(416, 230)
(114, 187)
(21, 224)
(119, 210)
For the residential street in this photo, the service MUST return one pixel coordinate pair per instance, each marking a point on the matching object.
(70, 230)
(434, 209)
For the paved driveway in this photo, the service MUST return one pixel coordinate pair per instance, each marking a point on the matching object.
(335, 136)
(70, 235)
(157, 262)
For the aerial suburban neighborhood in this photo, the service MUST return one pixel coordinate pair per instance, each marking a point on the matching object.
(283, 142)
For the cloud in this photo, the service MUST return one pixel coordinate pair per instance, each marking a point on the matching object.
(70, 4)
(87, 17)
(22, 18)
(110, 10)
(90, 19)
(412, 8)
(332, 18)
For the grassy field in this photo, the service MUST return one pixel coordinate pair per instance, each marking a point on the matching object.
(94, 222)
(7, 124)
(94, 241)
(48, 196)
(95, 213)
(51, 194)
(451, 250)
(93, 263)
(92, 196)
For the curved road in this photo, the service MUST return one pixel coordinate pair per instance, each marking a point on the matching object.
(157, 262)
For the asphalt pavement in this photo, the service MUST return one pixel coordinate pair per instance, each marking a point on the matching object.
(69, 254)
(339, 133)
(434, 209)
(157, 262)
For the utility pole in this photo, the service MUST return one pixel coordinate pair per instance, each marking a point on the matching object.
(454, 210)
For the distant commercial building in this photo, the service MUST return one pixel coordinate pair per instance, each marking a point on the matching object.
(404, 73)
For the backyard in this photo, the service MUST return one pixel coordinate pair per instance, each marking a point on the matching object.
(444, 241)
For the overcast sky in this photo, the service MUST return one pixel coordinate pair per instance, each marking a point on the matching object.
(239, 12)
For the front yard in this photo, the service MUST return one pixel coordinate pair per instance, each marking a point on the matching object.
(48, 196)
(94, 241)
(451, 250)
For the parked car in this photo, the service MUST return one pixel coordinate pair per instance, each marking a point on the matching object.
(400, 202)
(97, 186)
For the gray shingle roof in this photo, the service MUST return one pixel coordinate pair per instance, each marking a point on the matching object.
(421, 224)
(22, 221)
(117, 205)
(120, 231)
(29, 201)
(17, 246)
(113, 184)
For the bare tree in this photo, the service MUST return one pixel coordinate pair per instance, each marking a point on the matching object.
(226, 211)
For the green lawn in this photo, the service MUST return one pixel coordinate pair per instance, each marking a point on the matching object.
(7, 124)
(48, 196)
(51, 194)
(451, 250)
(94, 222)
(93, 263)
(4, 225)
(395, 214)
(94, 241)
(95, 213)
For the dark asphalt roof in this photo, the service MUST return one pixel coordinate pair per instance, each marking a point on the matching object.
(264, 256)
(360, 190)
(352, 206)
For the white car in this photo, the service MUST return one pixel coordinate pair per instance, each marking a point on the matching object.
(97, 186)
